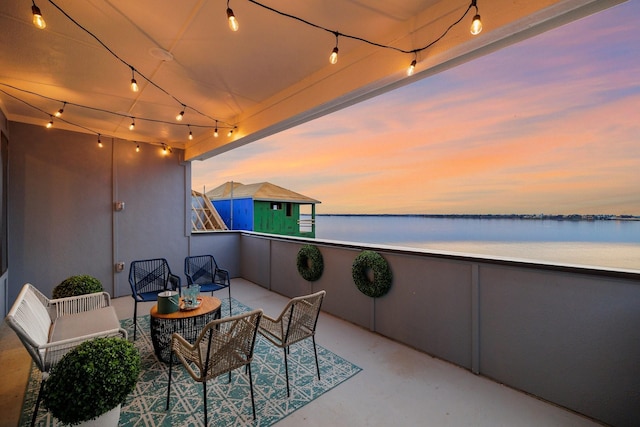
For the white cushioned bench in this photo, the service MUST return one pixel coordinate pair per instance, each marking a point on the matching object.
(51, 328)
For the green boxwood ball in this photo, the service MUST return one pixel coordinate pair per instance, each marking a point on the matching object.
(77, 285)
(91, 379)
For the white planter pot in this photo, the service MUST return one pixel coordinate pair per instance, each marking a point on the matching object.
(108, 419)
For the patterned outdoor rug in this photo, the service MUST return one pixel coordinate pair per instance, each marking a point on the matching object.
(228, 404)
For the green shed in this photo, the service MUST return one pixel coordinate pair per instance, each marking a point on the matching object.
(265, 208)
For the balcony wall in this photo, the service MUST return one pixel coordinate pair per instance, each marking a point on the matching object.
(62, 220)
(568, 335)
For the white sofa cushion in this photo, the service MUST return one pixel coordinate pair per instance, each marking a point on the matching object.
(85, 323)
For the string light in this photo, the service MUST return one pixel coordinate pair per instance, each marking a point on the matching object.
(476, 24)
(190, 133)
(132, 126)
(173, 123)
(38, 20)
(180, 114)
(61, 110)
(99, 142)
(233, 22)
(50, 123)
(411, 68)
(333, 58)
(134, 84)
(230, 132)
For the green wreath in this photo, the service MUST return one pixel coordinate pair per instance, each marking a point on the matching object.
(381, 274)
(310, 263)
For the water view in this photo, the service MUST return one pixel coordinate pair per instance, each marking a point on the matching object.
(600, 243)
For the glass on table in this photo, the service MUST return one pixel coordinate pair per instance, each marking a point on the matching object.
(190, 295)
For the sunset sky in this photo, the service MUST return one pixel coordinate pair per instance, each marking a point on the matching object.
(550, 125)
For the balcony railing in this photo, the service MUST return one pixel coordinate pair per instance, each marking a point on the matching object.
(568, 335)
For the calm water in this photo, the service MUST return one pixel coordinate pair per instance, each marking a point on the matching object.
(593, 243)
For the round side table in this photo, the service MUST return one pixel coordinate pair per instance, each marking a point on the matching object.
(187, 323)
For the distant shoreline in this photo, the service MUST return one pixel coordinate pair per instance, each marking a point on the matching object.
(572, 217)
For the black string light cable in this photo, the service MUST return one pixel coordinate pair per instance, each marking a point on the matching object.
(337, 34)
(476, 28)
(333, 57)
(123, 115)
(50, 124)
(99, 135)
(134, 70)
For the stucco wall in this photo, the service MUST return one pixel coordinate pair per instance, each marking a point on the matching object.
(225, 248)
(62, 190)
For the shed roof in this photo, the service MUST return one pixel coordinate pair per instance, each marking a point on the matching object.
(262, 191)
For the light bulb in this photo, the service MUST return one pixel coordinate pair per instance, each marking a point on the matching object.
(215, 133)
(476, 25)
(180, 116)
(138, 148)
(333, 58)
(50, 124)
(99, 143)
(411, 68)
(230, 132)
(60, 111)
(190, 136)
(38, 20)
(132, 126)
(134, 84)
(233, 22)
(164, 150)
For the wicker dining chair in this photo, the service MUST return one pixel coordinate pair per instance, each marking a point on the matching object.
(296, 322)
(147, 279)
(203, 270)
(222, 346)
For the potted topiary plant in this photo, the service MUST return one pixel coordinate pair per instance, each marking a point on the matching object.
(77, 285)
(91, 381)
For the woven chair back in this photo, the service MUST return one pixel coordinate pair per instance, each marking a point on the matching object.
(301, 316)
(200, 269)
(222, 346)
(149, 275)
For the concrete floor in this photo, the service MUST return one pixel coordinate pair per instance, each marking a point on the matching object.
(397, 386)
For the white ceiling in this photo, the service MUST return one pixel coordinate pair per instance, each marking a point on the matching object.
(272, 74)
